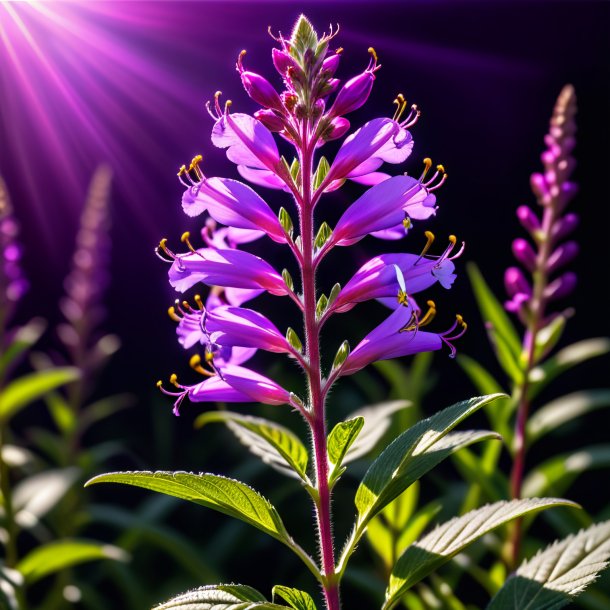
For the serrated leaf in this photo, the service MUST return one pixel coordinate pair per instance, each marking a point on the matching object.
(303, 37)
(274, 444)
(558, 473)
(553, 577)
(62, 554)
(493, 311)
(565, 359)
(377, 420)
(412, 454)
(219, 597)
(340, 440)
(565, 409)
(25, 390)
(299, 600)
(225, 495)
(448, 539)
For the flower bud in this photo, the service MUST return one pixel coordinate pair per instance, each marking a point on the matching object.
(261, 90)
(353, 94)
(528, 219)
(330, 64)
(561, 287)
(564, 226)
(524, 253)
(335, 129)
(562, 256)
(283, 61)
(269, 119)
(516, 283)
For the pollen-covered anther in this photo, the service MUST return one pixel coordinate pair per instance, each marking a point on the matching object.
(401, 104)
(199, 302)
(403, 298)
(429, 241)
(373, 54)
(429, 315)
(185, 238)
(173, 379)
(437, 179)
(446, 338)
(412, 117)
(162, 247)
(195, 364)
(171, 312)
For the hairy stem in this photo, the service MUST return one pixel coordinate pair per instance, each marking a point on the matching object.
(314, 377)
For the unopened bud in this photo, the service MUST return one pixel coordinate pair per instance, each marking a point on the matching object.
(561, 287)
(528, 219)
(515, 282)
(269, 119)
(261, 90)
(524, 253)
(562, 256)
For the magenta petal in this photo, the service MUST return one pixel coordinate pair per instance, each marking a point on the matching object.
(216, 389)
(242, 236)
(248, 141)
(391, 234)
(258, 387)
(238, 296)
(234, 204)
(370, 179)
(386, 341)
(236, 326)
(230, 268)
(261, 177)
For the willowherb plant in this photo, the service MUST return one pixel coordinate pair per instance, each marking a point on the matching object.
(227, 334)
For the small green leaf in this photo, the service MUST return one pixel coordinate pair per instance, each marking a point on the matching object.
(413, 453)
(323, 235)
(341, 355)
(321, 306)
(274, 444)
(295, 170)
(565, 359)
(321, 172)
(303, 37)
(25, 390)
(334, 293)
(553, 577)
(25, 337)
(286, 221)
(220, 597)
(339, 441)
(548, 336)
(293, 339)
(450, 538)
(565, 409)
(493, 312)
(225, 495)
(62, 554)
(287, 279)
(63, 416)
(299, 600)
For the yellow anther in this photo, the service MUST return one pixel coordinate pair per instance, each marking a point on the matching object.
(427, 166)
(209, 356)
(406, 223)
(173, 315)
(163, 246)
(402, 297)
(339, 51)
(159, 383)
(195, 360)
(198, 300)
(173, 379)
(441, 168)
(185, 239)
(401, 104)
(182, 170)
(429, 315)
(217, 94)
(453, 239)
(373, 53)
(186, 305)
(460, 320)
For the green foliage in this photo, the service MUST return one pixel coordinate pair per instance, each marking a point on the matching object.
(340, 439)
(273, 443)
(448, 539)
(61, 554)
(220, 597)
(321, 172)
(299, 600)
(552, 578)
(25, 390)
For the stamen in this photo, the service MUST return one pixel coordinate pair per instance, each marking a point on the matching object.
(401, 104)
(403, 298)
(163, 246)
(427, 166)
(374, 54)
(411, 325)
(429, 315)
(195, 364)
(406, 223)
(186, 306)
(239, 66)
(440, 170)
(173, 315)
(430, 240)
(194, 167)
(181, 173)
(185, 239)
(173, 379)
(412, 118)
(199, 302)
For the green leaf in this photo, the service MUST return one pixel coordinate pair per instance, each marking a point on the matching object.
(506, 359)
(334, 293)
(274, 444)
(558, 473)
(341, 355)
(553, 577)
(377, 420)
(565, 409)
(62, 554)
(482, 379)
(412, 454)
(493, 311)
(450, 538)
(565, 359)
(548, 336)
(339, 441)
(321, 306)
(321, 172)
(293, 339)
(63, 416)
(24, 338)
(323, 235)
(286, 221)
(303, 37)
(220, 597)
(287, 279)
(25, 390)
(295, 170)
(225, 495)
(299, 600)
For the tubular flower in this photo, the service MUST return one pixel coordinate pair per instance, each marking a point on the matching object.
(307, 113)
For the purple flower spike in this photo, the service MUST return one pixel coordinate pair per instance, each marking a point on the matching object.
(564, 226)
(231, 268)
(528, 219)
(563, 255)
(561, 287)
(524, 253)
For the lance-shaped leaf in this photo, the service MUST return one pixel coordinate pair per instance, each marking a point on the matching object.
(220, 597)
(413, 453)
(22, 340)
(565, 409)
(450, 538)
(31, 387)
(61, 554)
(225, 495)
(553, 577)
(339, 441)
(273, 444)
(299, 600)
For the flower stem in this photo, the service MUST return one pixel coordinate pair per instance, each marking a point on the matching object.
(314, 377)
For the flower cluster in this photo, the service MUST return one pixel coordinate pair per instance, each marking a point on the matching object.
(554, 191)
(309, 112)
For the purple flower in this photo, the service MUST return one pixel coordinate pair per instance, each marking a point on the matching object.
(398, 336)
